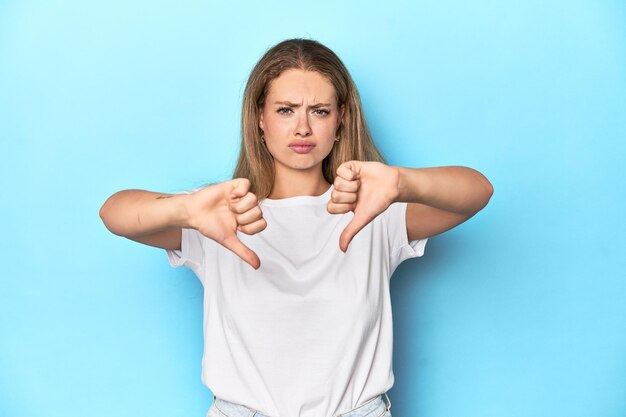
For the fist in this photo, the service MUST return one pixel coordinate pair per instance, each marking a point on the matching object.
(365, 188)
(220, 210)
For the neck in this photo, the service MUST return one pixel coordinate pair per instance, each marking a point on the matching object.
(298, 183)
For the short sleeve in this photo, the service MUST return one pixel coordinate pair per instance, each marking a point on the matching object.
(400, 247)
(191, 253)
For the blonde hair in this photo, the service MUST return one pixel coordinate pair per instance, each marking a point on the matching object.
(255, 162)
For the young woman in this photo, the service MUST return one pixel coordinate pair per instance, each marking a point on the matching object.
(296, 251)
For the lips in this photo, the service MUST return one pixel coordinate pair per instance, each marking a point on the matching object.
(302, 146)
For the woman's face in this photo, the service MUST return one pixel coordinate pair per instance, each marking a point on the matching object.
(299, 120)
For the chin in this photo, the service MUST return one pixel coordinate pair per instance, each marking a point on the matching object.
(301, 165)
(304, 167)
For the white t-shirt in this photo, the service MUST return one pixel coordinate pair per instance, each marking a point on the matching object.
(309, 333)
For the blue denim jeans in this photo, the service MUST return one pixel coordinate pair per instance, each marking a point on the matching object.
(375, 407)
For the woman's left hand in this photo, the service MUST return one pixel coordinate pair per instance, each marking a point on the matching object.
(367, 189)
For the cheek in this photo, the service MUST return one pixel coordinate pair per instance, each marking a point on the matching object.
(325, 128)
(276, 124)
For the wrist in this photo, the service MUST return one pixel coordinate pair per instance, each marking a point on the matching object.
(410, 182)
(179, 211)
(403, 186)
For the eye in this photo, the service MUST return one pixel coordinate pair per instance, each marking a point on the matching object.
(323, 112)
(284, 110)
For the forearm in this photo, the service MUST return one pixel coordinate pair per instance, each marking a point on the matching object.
(456, 189)
(134, 213)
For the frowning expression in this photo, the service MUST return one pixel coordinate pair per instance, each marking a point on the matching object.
(300, 119)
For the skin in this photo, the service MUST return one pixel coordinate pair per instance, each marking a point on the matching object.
(303, 118)
(438, 198)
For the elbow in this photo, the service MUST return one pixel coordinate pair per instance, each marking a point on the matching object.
(103, 213)
(106, 217)
(487, 191)
(482, 186)
(482, 191)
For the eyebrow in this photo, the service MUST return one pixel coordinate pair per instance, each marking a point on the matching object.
(290, 104)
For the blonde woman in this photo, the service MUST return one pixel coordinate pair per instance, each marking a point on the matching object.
(295, 252)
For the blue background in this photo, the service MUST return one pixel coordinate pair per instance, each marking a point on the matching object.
(518, 312)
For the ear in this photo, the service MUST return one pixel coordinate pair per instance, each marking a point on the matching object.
(261, 120)
(342, 110)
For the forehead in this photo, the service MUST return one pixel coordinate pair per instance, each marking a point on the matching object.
(296, 85)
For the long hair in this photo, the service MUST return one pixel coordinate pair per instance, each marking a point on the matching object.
(255, 162)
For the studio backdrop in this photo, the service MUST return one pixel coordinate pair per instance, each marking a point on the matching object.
(518, 312)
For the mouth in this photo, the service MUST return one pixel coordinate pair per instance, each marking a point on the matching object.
(301, 146)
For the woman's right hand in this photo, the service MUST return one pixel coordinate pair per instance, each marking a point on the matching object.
(220, 210)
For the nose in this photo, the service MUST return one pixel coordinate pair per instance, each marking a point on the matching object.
(303, 128)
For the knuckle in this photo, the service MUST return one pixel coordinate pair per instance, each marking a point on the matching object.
(237, 207)
(257, 227)
(251, 199)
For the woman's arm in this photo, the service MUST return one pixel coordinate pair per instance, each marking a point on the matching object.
(147, 217)
(440, 198)
(218, 212)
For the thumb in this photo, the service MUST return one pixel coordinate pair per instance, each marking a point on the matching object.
(233, 244)
(357, 223)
